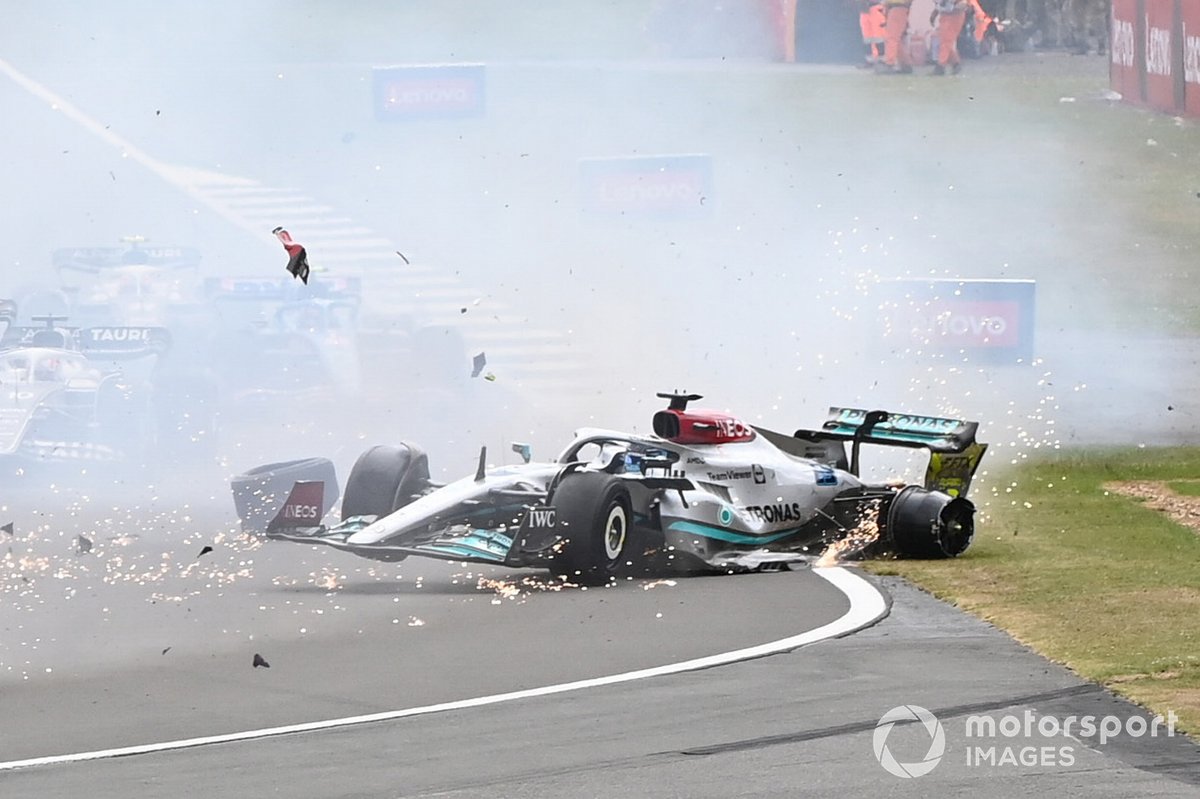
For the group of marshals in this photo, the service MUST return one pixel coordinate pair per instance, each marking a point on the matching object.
(885, 22)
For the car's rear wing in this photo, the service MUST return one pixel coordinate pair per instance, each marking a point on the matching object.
(97, 259)
(937, 434)
(954, 452)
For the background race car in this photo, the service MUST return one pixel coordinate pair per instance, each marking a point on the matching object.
(277, 340)
(69, 394)
(134, 284)
(280, 340)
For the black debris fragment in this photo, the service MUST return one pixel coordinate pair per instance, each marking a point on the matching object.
(477, 364)
(259, 660)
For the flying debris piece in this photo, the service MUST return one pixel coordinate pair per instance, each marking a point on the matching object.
(477, 364)
(8, 528)
(259, 660)
(297, 255)
(402, 256)
(205, 551)
(83, 544)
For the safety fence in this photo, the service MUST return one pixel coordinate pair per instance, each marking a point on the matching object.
(1156, 54)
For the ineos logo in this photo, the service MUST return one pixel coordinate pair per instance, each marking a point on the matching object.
(937, 741)
(300, 512)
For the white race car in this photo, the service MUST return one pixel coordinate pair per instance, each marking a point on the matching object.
(705, 492)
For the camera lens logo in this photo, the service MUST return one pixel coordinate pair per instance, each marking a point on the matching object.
(937, 741)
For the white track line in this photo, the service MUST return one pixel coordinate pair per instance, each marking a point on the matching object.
(867, 606)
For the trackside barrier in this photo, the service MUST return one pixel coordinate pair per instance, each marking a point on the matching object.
(1155, 51)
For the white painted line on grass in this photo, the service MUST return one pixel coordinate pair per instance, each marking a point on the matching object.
(867, 606)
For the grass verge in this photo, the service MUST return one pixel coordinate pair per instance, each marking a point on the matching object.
(1087, 577)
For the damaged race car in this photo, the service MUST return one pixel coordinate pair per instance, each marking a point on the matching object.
(705, 492)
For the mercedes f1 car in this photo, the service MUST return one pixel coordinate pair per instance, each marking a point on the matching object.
(705, 492)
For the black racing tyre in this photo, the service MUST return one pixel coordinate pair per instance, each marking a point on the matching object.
(385, 478)
(595, 517)
(259, 493)
(929, 524)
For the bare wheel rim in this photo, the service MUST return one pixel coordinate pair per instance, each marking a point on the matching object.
(614, 532)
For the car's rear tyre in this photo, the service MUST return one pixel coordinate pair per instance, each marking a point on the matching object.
(929, 524)
(385, 478)
(595, 517)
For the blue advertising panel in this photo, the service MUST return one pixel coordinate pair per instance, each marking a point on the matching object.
(989, 321)
(428, 91)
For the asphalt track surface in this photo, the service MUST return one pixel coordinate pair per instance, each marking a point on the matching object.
(152, 660)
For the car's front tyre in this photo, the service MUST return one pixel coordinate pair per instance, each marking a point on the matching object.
(595, 518)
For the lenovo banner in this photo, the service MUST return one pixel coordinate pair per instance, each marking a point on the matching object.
(428, 91)
(979, 320)
(659, 185)
(1190, 35)
(1156, 53)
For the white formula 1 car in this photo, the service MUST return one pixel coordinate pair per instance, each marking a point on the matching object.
(705, 492)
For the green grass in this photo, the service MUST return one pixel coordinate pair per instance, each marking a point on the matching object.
(1088, 577)
(1187, 488)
